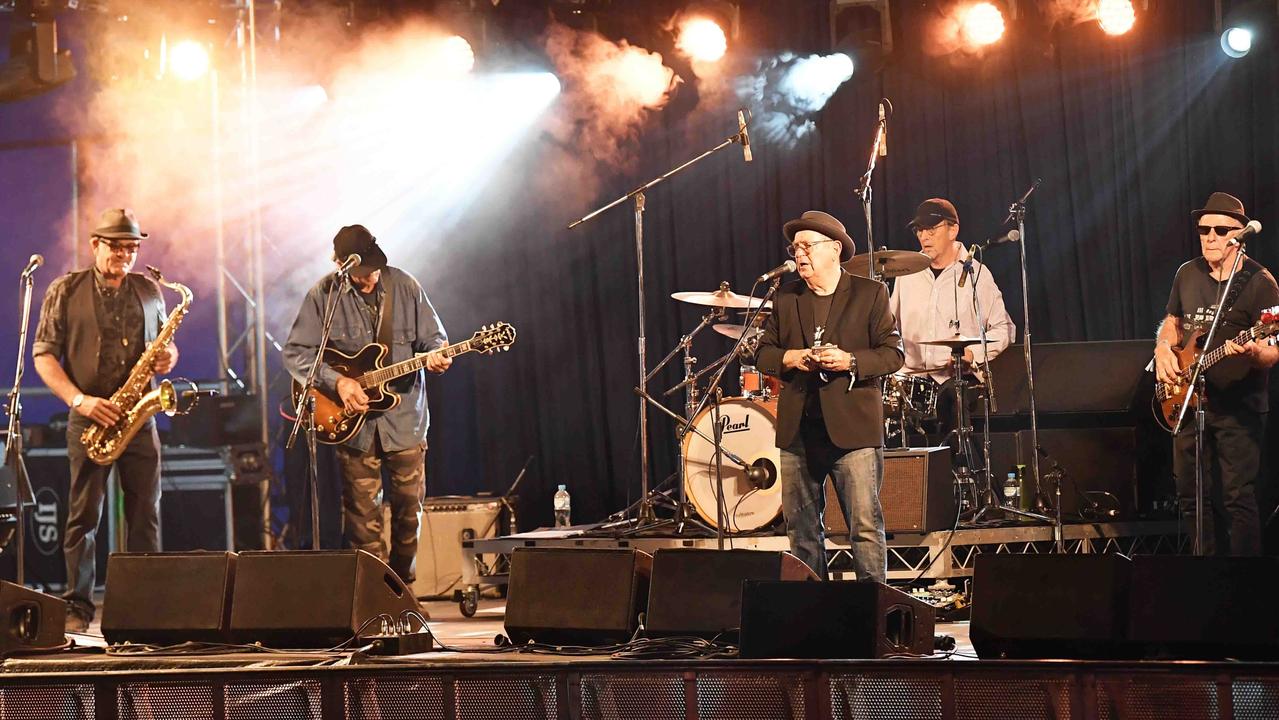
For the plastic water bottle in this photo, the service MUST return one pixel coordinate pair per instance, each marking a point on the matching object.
(1012, 491)
(563, 506)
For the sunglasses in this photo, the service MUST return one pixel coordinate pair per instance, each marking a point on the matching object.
(1221, 230)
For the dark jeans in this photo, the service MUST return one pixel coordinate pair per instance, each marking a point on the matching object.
(858, 475)
(1232, 459)
(139, 472)
(362, 502)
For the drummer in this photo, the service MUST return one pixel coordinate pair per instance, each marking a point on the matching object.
(932, 305)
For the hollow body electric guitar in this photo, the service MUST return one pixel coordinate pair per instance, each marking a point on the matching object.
(1169, 397)
(334, 425)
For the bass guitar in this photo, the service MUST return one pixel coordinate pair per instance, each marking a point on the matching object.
(1169, 397)
(334, 425)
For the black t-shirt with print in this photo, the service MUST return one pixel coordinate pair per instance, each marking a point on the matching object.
(1233, 383)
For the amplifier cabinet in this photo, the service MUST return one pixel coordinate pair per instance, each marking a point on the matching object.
(446, 523)
(918, 494)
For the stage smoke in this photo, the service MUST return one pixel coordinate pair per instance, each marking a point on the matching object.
(789, 91)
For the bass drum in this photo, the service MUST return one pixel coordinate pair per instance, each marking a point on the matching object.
(750, 432)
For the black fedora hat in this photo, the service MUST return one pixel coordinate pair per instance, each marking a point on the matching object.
(358, 240)
(1220, 203)
(823, 223)
(117, 224)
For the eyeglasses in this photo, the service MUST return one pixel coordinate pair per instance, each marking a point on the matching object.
(806, 247)
(126, 248)
(932, 230)
(1221, 230)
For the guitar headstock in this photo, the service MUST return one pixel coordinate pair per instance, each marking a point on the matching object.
(493, 338)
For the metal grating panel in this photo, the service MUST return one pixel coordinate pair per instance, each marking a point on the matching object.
(532, 697)
(614, 697)
(886, 697)
(1000, 696)
(741, 697)
(64, 702)
(273, 701)
(149, 701)
(386, 699)
(1142, 698)
(1255, 698)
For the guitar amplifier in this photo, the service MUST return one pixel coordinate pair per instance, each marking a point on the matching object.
(448, 521)
(917, 496)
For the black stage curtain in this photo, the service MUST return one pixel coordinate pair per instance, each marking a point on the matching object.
(1129, 134)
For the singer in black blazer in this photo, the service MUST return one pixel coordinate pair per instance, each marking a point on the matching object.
(860, 323)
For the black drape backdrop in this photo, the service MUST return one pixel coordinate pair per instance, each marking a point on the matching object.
(1129, 134)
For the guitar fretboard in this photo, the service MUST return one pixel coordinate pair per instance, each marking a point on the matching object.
(1209, 359)
(413, 364)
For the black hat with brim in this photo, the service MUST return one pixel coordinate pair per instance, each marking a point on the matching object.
(1220, 203)
(822, 223)
(119, 224)
(358, 240)
(933, 211)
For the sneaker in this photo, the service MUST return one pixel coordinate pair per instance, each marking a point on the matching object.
(77, 622)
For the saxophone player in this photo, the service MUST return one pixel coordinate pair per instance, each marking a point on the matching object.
(94, 325)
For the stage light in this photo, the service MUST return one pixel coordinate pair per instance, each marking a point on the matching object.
(456, 55)
(702, 39)
(1116, 17)
(188, 60)
(1236, 41)
(811, 81)
(983, 24)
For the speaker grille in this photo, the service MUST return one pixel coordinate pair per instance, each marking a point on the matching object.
(72, 702)
(270, 701)
(368, 699)
(1151, 699)
(885, 697)
(614, 697)
(144, 701)
(533, 697)
(1255, 698)
(979, 698)
(902, 496)
(740, 697)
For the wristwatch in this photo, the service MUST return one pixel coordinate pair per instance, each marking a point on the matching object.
(77, 401)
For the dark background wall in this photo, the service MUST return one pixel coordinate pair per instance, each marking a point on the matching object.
(1129, 134)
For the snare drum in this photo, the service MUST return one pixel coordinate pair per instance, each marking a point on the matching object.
(757, 385)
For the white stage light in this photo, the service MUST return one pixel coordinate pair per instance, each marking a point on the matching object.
(188, 60)
(1236, 41)
(983, 24)
(1116, 17)
(702, 39)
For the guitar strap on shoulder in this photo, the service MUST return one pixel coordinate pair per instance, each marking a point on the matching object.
(384, 323)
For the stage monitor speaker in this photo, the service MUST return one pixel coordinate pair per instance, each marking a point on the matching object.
(446, 523)
(1051, 606)
(314, 598)
(1072, 377)
(833, 620)
(576, 596)
(30, 621)
(699, 592)
(1205, 608)
(918, 494)
(168, 598)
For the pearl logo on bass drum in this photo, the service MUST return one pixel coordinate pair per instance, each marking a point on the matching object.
(45, 526)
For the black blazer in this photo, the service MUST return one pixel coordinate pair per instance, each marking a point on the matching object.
(860, 323)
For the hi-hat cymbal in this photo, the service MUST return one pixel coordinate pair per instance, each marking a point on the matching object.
(734, 330)
(889, 263)
(953, 343)
(723, 297)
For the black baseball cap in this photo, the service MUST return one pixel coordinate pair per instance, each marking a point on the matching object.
(933, 211)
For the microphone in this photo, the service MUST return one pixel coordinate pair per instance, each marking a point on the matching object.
(744, 135)
(1252, 228)
(351, 261)
(968, 265)
(883, 140)
(1021, 201)
(1011, 236)
(37, 260)
(786, 267)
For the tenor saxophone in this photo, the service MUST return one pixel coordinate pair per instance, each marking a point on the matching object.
(137, 400)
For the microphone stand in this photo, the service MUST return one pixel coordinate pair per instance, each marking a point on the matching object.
(13, 440)
(304, 408)
(863, 191)
(1198, 389)
(646, 514)
(1017, 211)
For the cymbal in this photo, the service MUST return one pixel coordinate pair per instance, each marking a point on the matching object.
(890, 263)
(734, 330)
(953, 343)
(926, 371)
(723, 297)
